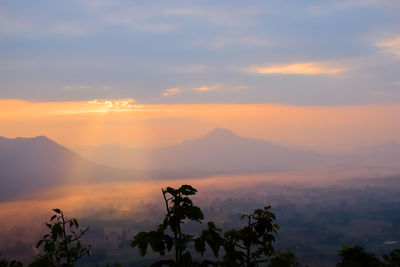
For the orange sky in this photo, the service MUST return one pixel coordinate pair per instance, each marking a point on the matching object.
(122, 122)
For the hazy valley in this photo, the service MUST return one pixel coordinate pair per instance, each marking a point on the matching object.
(321, 201)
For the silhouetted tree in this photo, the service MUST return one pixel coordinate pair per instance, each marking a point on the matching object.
(245, 247)
(180, 209)
(252, 244)
(284, 259)
(62, 245)
(392, 259)
(7, 263)
(357, 257)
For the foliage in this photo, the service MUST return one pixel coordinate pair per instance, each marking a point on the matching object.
(287, 259)
(392, 259)
(249, 245)
(212, 237)
(62, 245)
(357, 257)
(180, 209)
(6, 263)
(244, 247)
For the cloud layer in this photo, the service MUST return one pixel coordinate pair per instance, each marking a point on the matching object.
(103, 49)
(171, 91)
(305, 68)
(390, 46)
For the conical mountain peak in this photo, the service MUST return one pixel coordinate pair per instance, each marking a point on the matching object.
(221, 133)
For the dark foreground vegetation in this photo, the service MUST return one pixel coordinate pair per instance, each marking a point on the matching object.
(251, 245)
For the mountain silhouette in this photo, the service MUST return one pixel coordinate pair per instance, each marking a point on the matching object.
(28, 164)
(220, 151)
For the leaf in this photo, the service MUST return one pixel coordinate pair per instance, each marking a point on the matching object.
(39, 243)
(195, 213)
(187, 190)
(57, 211)
(200, 245)
(141, 240)
(211, 225)
(169, 241)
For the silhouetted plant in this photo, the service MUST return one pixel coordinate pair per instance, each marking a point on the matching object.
(212, 237)
(285, 259)
(245, 247)
(180, 209)
(7, 263)
(392, 259)
(62, 245)
(357, 257)
(250, 245)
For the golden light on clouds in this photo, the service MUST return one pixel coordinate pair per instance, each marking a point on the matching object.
(207, 88)
(171, 91)
(303, 68)
(119, 105)
(19, 108)
(390, 46)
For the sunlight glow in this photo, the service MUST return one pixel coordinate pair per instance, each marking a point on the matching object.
(207, 88)
(171, 91)
(122, 122)
(304, 68)
(390, 46)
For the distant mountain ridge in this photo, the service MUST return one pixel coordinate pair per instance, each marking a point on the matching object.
(220, 150)
(28, 164)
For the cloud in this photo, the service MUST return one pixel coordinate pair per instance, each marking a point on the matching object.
(303, 68)
(222, 41)
(207, 88)
(138, 23)
(242, 87)
(179, 11)
(254, 41)
(12, 25)
(189, 68)
(78, 86)
(326, 7)
(171, 91)
(390, 46)
(103, 105)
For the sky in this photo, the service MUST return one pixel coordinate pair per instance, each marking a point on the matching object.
(333, 52)
(114, 56)
(122, 122)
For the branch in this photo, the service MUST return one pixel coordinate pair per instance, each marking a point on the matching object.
(80, 235)
(239, 246)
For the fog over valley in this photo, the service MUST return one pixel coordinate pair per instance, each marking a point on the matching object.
(200, 133)
(321, 200)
